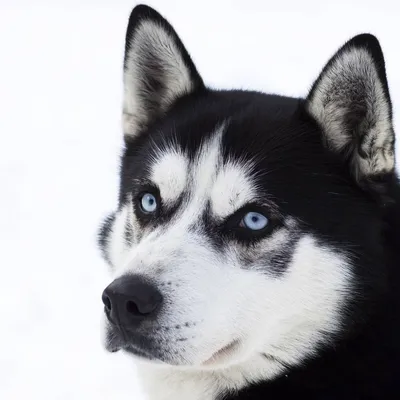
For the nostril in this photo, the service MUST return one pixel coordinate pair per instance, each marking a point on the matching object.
(138, 309)
(106, 301)
(132, 308)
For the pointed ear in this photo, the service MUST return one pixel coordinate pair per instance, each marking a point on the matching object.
(350, 101)
(157, 70)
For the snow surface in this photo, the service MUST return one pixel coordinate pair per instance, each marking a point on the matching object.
(60, 99)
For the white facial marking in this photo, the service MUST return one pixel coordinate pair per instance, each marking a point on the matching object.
(233, 188)
(208, 161)
(169, 172)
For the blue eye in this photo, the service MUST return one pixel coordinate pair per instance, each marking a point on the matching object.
(148, 203)
(254, 221)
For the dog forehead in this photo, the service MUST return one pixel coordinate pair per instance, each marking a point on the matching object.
(206, 176)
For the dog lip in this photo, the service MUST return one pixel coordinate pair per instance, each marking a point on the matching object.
(222, 353)
(122, 339)
(113, 348)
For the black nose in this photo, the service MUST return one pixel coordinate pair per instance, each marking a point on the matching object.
(129, 299)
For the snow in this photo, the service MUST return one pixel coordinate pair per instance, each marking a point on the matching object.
(60, 99)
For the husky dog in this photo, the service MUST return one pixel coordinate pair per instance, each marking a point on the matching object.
(255, 250)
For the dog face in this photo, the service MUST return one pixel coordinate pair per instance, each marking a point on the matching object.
(243, 218)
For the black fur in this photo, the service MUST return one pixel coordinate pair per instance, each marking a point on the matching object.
(315, 185)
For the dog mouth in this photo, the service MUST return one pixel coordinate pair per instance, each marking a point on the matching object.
(222, 354)
(142, 346)
(147, 348)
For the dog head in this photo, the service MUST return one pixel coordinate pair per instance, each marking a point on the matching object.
(248, 224)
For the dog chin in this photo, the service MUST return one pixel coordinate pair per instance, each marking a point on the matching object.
(145, 349)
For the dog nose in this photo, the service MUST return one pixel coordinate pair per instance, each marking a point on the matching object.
(129, 299)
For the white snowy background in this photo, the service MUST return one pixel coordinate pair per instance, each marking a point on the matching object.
(60, 103)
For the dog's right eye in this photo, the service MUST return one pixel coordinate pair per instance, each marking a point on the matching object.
(254, 221)
(148, 203)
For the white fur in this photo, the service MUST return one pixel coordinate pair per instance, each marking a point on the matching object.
(232, 189)
(163, 383)
(333, 98)
(150, 36)
(169, 172)
(213, 299)
(116, 245)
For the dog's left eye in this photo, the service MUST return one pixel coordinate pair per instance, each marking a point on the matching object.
(148, 203)
(254, 221)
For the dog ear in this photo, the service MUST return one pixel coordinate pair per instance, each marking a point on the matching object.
(350, 101)
(157, 70)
